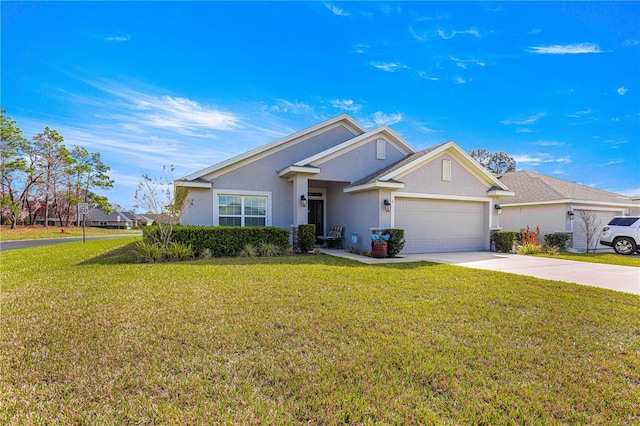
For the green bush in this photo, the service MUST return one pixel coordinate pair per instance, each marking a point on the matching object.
(149, 252)
(266, 249)
(224, 241)
(557, 239)
(179, 251)
(504, 240)
(396, 241)
(529, 248)
(306, 238)
(248, 251)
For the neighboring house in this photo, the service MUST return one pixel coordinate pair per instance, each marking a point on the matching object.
(337, 173)
(555, 205)
(117, 219)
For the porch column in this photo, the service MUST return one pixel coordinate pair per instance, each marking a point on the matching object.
(300, 188)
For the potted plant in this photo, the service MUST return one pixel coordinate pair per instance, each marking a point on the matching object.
(379, 245)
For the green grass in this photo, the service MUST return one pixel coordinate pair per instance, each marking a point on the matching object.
(40, 232)
(608, 258)
(90, 339)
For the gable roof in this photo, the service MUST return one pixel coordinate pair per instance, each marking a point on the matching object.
(342, 119)
(395, 172)
(532, 188)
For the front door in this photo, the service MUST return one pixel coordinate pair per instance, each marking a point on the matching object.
(316, 216)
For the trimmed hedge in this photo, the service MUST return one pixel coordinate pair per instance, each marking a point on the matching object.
(557, 239)
(396, 241)
(223, 241)
(504, 240)
(306, 237)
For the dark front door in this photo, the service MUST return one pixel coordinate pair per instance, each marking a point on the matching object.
(316, 215)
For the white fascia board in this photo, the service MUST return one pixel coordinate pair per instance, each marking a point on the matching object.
(602, 204)
(440, 197)
(281, 143)
(193, 184)
(500, 193)
(293, 170)
(375, 185)
(466, 161)
(335, 151)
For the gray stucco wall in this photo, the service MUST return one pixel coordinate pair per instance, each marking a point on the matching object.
(551, 218)
(198, 208)
(428, 180)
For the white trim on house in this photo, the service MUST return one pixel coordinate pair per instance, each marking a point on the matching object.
(439, 197)
(193, 184)
(217, 192)
(382, 132)
(277, 145)
(374, 185)
(607, 205)
(454, 150)
(293, 170)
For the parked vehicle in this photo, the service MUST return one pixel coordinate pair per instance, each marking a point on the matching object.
(623, 234)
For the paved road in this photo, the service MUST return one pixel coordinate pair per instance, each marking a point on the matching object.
(12, 245)
(612, 277)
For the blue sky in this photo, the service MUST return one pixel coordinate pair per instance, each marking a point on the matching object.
(555, 85)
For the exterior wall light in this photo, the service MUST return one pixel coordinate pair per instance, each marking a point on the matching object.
(498, 208)
(387, 206)
(571, 214)
(303, 201)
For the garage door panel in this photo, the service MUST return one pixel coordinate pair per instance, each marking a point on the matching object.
(441, 226)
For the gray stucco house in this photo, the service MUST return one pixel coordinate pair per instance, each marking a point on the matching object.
(555, 205)
(338, 173)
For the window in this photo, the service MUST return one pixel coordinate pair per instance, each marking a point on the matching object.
(242, 210)
(623, 221)
(446, 170)
(381, 149)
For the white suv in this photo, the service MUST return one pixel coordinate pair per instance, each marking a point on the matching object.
(623, 234)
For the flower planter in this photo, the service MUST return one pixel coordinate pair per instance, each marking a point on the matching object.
(379, 250)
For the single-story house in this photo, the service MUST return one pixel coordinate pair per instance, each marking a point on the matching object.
(338, 173)
(118, 218)
(556, 205)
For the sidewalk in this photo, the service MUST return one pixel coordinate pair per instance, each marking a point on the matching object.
(612, 277)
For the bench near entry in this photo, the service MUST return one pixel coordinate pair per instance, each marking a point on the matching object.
(334, 237)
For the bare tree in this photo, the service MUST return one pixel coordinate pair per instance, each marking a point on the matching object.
(590, 225)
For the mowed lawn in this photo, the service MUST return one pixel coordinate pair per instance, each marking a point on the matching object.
(40, 232)
(88, 338)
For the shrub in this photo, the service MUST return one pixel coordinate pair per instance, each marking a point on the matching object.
(396, 241)
(266, 249)
(557, 239)
(527, 236)
(529, 248)
(248, 251)
(504, 241)
(306, 237)
(179, 251)
(224, 241)
(206, 254)
(553, 250)
(149, 252)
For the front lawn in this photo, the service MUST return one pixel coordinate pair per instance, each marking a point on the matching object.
(39, 232)
(608, 258)
(88, 338)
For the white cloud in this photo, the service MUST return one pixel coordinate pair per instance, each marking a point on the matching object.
(295, 107)
(126, 37)
(580, 114)
(549, 143)
(336, 10)
(611, 163)
(460, 80)
(346, 105)
(423, 74)
(527, 120)
(382, 119)
(471, 31)
(534, 31)
(388, 66)
(622, 90)
(566, 49)
(361, 48)
(524, 130)
(415, 35)
(540, 158)
(462, 63)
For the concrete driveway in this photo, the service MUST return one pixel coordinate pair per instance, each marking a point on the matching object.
(612, 277)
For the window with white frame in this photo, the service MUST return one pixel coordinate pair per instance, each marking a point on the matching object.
(242, 210)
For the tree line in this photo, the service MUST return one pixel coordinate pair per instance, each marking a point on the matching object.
(41, 179)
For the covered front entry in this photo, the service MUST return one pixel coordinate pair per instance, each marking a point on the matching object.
(439, 226)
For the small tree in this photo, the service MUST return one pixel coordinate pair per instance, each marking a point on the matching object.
(590, 225)
(497, 162)
(157, 195)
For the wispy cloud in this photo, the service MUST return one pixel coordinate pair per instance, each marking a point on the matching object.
(524, 130)
(126, 37)
(622, 91)
(346, 105)
(338, 11)
(388, 66)
(361, 48)
(534, 31)
(447, 36)
(379, 118)
(540, 158)
(566, 49)
(549, 143)
(580, 114)
(462, 63)
(527, 120)
(426, 76)
(294, 107)
(611, 163)
(460, 80)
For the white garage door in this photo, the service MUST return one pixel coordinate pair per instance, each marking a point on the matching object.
(579, 235)
(436, 226)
